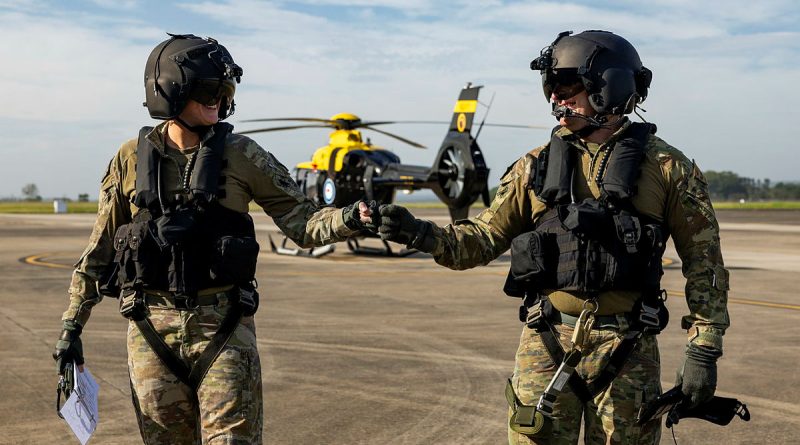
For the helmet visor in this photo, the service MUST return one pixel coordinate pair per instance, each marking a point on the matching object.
(559, 81)
(211, 91)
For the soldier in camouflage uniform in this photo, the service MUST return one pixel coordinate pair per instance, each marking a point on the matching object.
(226, 405)
(670, 190)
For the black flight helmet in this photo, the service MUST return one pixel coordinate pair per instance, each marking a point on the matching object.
(607, 66)
(187, 67)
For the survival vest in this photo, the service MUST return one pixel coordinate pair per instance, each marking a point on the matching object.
(595, 245)
(192, 243)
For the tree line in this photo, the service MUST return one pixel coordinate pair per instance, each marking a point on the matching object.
(728, 186)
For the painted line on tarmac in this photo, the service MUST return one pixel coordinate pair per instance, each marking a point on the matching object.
(793, 307)
(36, 260)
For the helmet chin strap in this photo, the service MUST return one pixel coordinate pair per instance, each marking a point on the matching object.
(199, 130)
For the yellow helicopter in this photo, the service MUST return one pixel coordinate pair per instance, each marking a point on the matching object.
(350, 168)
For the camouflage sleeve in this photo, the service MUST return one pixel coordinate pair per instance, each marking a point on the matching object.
(477, 241)
(113, 210)
(695, 231)
(298, 217)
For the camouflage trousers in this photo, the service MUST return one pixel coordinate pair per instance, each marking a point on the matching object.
(227, 407)
(610, 418)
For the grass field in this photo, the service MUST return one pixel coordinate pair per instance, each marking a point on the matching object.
(758, 205)
(45, 207)
(91, 207)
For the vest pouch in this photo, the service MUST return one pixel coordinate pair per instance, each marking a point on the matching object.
(175, 227)
(234, 260)
(571, 257)
(529, 261)
(641, 270)
(126, 271)
(589, 217)
(144, 252)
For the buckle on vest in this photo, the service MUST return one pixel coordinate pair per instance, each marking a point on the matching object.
(185, 302)
(246, 297)
(535, 316)
(131, 305)
(648, 316)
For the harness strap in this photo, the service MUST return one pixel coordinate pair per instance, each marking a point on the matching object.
(215, 346)
(192, 376)
(585, 391)
(615, 363)
(163, 352)
(556, 353)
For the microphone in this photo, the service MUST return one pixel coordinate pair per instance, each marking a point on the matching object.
(562, 111)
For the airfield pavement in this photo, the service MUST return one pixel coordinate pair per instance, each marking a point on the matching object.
(365, 350)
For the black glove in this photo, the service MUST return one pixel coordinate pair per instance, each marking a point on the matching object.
(69, 349)
(352, 216)
(698, 377)
(400, 226)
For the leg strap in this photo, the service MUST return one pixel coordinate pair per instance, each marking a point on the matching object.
(585, 391)
(164, 353)
(556, 353)
(192, 376)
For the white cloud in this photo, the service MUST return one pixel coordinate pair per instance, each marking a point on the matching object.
(122, 5)
(722, 82)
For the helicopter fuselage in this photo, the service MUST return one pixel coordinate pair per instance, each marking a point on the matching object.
(349, 169)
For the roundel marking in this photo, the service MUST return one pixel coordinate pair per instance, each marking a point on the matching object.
(461, 122)
(328, 191)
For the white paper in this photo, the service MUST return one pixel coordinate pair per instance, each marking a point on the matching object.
(80, 409)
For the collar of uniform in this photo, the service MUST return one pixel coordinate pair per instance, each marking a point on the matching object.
(574, 140)
(614, 137)
(158, 137)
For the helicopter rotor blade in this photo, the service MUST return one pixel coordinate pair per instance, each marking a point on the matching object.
(399, 138)
(299, 119)
(291, 127)
(367, 124)
(538, 127)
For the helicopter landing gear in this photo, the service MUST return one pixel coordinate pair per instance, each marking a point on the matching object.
(314, 252)
(358, 249)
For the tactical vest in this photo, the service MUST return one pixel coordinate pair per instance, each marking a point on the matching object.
(189, 244)
(595, 245)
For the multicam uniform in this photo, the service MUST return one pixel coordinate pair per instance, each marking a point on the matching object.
(672, 191)
(228, 403)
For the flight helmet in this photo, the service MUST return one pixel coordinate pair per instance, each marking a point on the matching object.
(607, 65)
(187, 67)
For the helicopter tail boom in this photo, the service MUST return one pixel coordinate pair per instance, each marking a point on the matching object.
(459, 175)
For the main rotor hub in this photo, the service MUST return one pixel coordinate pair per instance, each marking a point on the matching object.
(345, 121)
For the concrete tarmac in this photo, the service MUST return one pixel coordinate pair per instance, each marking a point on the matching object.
(365, 350)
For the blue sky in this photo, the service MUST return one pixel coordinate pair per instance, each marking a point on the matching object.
(724, 88)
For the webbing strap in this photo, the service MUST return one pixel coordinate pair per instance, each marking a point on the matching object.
(191, 377)
(556, 353)
(615, 363)
(585, 391)
(215, 346)
(163, 352)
